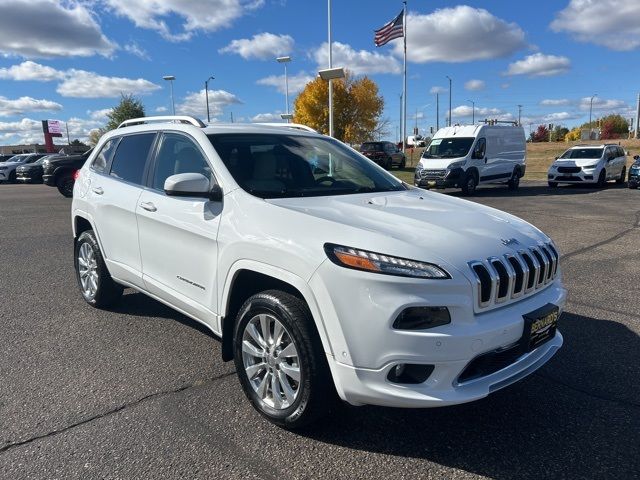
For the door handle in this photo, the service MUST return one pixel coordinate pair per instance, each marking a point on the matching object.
(148, 206)
(485, 159)
(98, 191)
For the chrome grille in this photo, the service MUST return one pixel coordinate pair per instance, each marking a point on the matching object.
(429, 173)
(514, 275)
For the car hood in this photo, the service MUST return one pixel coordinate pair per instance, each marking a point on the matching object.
(419, 224)
(11, 164)
(575, 162)
(438, 163)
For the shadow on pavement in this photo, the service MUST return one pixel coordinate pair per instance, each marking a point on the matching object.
(578, 417)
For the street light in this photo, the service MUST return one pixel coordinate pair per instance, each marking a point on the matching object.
(519, 113)
(331, 73)
(449, 99)
(285, 60)
(473, 111)
(170, 79)
(590, 110)
(286, 116)
(206, 93)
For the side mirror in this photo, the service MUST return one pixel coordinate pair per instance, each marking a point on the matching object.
(636, 157)
(192, 185)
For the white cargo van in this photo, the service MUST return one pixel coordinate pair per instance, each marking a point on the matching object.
(468, 155)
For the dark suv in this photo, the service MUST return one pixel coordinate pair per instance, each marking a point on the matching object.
(385, 154)
(634, 173)
(59, 171)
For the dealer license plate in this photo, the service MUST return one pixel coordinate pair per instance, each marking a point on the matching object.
(540, 326)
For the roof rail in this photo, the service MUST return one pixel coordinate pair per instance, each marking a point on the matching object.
(295, 126)
(165, 118)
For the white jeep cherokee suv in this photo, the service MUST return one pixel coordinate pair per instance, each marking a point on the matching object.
(595, 164)
(320, 272)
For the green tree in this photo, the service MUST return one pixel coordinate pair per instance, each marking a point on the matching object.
(129, 107)
(94, 136)
(558, 133)
(357, 107)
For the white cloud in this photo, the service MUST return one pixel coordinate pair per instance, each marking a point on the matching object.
(267, 118)
(134, 49)
(263, 46)
(161, 109)
(196, 104)
(467, 111)
(459, 34)
(435, 90)
(555, 101)
(50, 28)
(360, 62)
(23, 132)
(83, 84)
(475, 85)
(29, 70)
(614, 24)
(540, 65)
(196, 15)
(602, 104)
(99, 115)
(22, 105)
(504, 86)
(297, 82)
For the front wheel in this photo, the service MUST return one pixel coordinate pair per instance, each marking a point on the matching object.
(403, 163)
(12, 177)
(65, 185)
(623, 175)
(469, 184)
(96, 285)
(280, 361)
(553, 184)
(602, 179)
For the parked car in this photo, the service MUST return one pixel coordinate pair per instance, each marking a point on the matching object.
(385, 154)
(589, 164)
(322, 274)
(8, 168)
(470, 155)
(634, 173)
(31, 172)
(59, 171)
(414, 141)
(4, 158)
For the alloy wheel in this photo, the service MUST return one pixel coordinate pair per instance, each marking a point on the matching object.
(88, 270)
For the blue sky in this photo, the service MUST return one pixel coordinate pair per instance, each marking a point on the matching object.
(69, 60)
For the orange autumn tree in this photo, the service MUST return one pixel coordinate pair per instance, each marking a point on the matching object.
(357, 107)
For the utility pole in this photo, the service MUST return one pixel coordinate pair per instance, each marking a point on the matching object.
(437, 111)
(590, 110)
(449, 99)
(473, 112)
(401, 131)
(637, 134)
(519, 113)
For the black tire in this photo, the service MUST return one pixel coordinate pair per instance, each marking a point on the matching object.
(388, 163)
(623, 176)
(315, 391)
(602, 179)
(633, 187)
(553, 184)
(12, 177)
(107, 291)
(403, 163)
(514, 181)
(469, 184)
(65, 184)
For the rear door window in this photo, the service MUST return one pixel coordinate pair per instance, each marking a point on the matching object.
(131, 157)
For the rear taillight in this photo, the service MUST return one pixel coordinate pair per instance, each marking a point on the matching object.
(76, 174)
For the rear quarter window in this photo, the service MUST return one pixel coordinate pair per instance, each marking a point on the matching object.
(104, 156)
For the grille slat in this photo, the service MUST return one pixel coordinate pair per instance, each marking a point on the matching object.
(499, 280)
(569, 169)
(431, 173)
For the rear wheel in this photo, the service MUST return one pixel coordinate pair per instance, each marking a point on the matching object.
(96, 285)
(469, 184)
(280, 361)
(65, 184)
(602, 179)
(553, 184)
(623, 176)
(388, 163)
(514, 181)
(403, 163)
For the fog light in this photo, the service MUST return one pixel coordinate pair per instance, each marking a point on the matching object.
(420, 318)
(409, 373)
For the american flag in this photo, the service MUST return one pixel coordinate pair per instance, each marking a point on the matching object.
(393, 29)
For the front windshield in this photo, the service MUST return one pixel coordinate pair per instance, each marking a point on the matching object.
(448, 147)
(371, 147)
(583, 153)
(281, 165)
(18, 158)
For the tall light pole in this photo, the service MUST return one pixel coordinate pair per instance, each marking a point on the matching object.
(285, 60)
(449, 99)
(473, 111)
(437, 111)
(590, 110)
(330, 67)
(206, 92)
(170, 79)
(519, 113)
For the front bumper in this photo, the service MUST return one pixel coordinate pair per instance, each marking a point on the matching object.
(358, 313)
(49, 179)
(583, 176)
(449, 179)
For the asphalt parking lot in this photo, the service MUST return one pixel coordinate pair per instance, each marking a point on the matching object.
(141, 392)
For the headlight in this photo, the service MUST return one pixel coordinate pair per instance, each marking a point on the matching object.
(456, 165)
(4, 168)
(378, 263)
(590, 167)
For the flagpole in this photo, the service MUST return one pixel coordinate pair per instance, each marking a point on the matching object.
(404, 86)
